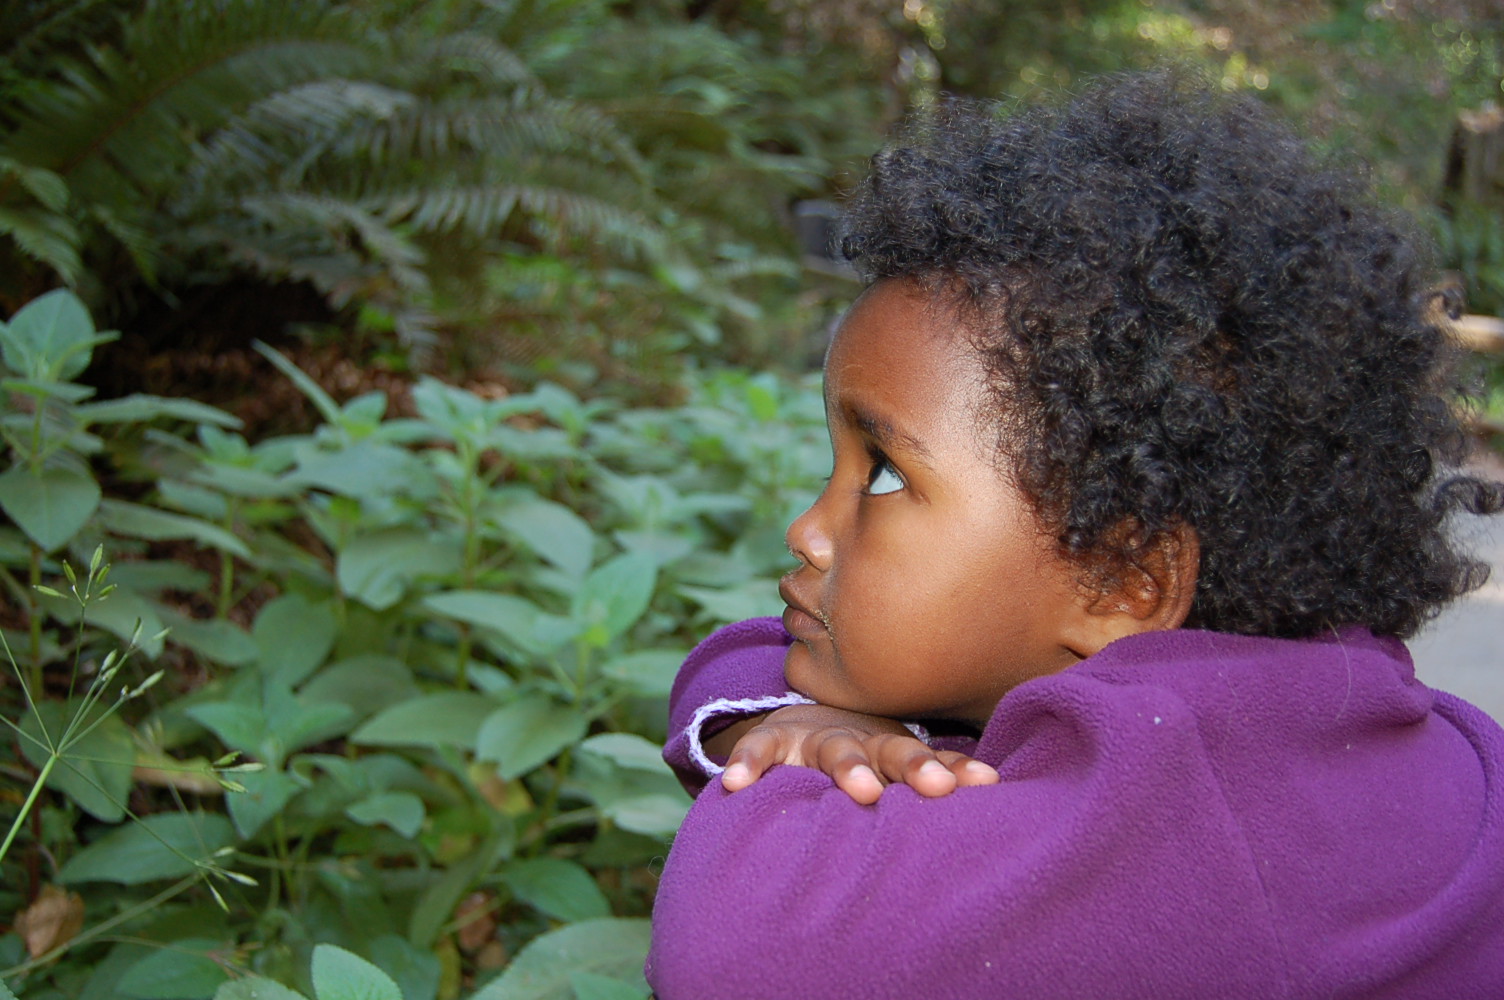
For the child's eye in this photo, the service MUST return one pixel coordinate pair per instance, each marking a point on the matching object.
(884, 478)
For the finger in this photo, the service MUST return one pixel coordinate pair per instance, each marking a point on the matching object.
(969, 771)
(841, 755)
(905, 759)
(753, 754)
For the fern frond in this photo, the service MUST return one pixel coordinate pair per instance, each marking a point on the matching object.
(179, 70)
(44, 236)
(278, 138)
(468, 54)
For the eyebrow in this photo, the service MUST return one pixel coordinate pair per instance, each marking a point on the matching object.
(886, 433)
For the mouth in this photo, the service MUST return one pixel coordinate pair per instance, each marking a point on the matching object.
(801, 621)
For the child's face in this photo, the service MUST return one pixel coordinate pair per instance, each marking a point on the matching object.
(927, 587)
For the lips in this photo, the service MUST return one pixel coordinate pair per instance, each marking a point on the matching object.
(801, 622)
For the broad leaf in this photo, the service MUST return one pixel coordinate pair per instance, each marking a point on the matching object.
(266, 795)
(402, 811)
(367, 684)
(610, 947)
(528, 732)
(553, 531)
(589, 986)
(293, 636)
(615, 595)
(182, 970)
(339, 975)
(50, 504)
(366, 468)
(256, 988)
(51, 337)
(139, 407)
(138, 521)
(647, 672)
(165, 845)
(445, 719)
(217, 640)
(520, 621)
(557, 888)
(627, 750)
(378, 568)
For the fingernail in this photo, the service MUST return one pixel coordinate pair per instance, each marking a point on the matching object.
(737, 773)
(862, 770)
(977, 767)
(933, 767)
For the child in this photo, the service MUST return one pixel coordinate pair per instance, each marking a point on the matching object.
(1140, 442)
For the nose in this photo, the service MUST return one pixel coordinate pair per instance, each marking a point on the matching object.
(809, 538)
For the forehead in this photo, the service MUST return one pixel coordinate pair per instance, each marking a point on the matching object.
(901, 340)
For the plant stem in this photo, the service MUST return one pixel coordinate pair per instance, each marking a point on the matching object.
(226, 569)
(96, 931)
(35, 623)
(31, 799)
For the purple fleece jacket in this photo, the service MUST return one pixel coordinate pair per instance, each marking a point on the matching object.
(1185, 814)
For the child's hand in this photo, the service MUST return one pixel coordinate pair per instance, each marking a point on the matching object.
(861, 752)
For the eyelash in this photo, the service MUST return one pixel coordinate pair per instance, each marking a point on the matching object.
(880, 464)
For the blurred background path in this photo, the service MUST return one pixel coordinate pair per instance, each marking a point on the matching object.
(1463, 650)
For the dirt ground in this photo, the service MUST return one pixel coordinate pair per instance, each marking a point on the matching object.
(1463, 650)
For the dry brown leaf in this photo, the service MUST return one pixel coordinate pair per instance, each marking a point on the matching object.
(51, 920)
(476, 919)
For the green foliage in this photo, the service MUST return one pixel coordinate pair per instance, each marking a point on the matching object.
(441, 643)
(420, 165)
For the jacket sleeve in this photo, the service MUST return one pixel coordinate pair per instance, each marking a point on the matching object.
(1089, 871)
(735, 672)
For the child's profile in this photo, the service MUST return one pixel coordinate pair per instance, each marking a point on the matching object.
(1091, 680)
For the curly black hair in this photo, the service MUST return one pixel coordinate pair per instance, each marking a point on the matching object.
(1191, 320)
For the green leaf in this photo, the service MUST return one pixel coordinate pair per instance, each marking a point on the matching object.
(256, 988)
(553, 531)
(239, 726)
(445, 719)
(339, 975)
(95, 771)
(321, 400)
(520, 621)
(647, 672)
(181, 970)
(615, 595)
(610, 947)
(293, 636)
(50, 504)
(402, 811)
(749, 599)
(556, 888)
(436, 904)
(589, 986)
(360, 470)
(138, 521)
(627, 750)
(165, 845)
(416, 971)
(378, 568)
(367, 684)
(138, 407)
(528, 732)
(217, 640)
(51, 337)
(266, 794)
(654, 815)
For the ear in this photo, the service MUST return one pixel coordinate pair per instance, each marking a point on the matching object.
(1151, 594)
